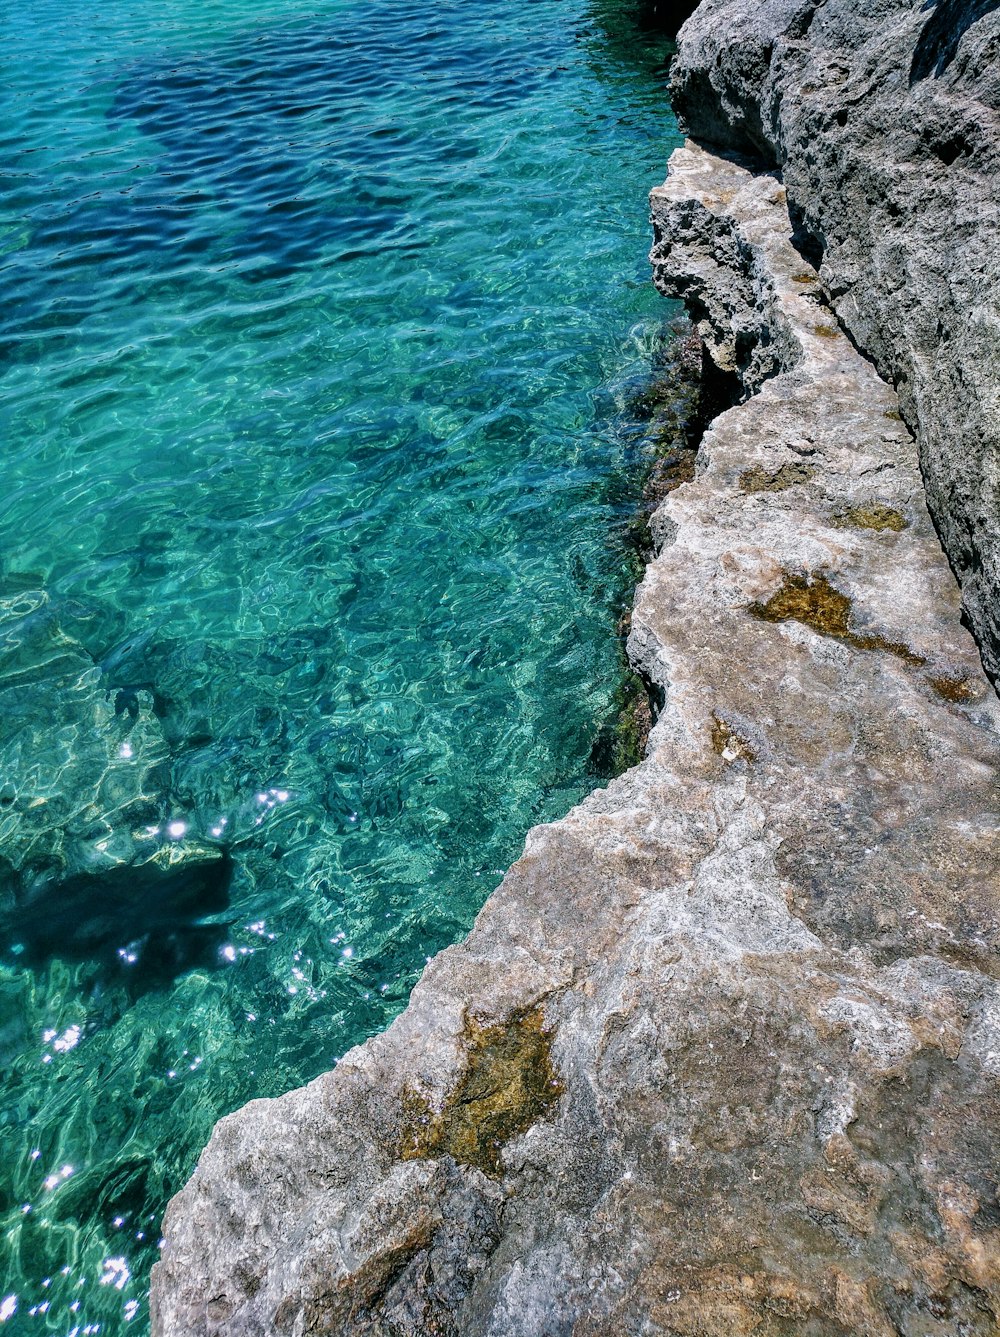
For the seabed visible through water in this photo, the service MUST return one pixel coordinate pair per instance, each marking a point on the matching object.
(318, 338)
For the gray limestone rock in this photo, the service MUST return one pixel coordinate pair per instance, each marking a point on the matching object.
(722, 1053)
(884, 119)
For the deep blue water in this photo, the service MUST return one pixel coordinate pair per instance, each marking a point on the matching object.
(318, 327)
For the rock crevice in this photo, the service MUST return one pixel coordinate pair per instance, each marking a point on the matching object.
(884, 120)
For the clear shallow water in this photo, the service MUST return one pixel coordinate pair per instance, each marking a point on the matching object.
(318, 322)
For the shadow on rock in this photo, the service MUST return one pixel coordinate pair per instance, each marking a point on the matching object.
(938, 42)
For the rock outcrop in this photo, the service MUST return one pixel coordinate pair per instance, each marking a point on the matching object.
(722, 1053)
(884, 119)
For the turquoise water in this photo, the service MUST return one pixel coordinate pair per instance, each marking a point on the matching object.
(318, 330)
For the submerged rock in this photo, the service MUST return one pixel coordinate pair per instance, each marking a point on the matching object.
(721, 1053)
(77, 762)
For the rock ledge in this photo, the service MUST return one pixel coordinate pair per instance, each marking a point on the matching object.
(884, 120)
(721, 1055)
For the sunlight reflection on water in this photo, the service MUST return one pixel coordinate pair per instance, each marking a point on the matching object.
(314, 348)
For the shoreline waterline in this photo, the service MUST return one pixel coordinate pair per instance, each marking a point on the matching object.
(316, 381)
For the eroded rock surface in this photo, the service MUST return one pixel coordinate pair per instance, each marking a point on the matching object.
(722, 1053)
(884, 118)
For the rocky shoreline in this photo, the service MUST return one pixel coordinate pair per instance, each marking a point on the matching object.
(722, 1053)
(884, 121)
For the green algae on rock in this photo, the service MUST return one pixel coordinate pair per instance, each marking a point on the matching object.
(635, 719)
(508, 1084)
(622, 742)
(869, 515)
(676, 403)
(817, 604)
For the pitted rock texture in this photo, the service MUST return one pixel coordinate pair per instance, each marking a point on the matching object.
(733, 1025)
(884, 119)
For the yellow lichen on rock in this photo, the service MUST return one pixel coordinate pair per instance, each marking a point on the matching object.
(817, 604)
(508, 1084)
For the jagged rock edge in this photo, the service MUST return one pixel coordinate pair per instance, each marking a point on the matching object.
(667, 881)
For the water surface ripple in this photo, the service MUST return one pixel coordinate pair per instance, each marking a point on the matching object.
(318, 321)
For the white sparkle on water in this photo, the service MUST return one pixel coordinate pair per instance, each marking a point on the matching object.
(116, 1273)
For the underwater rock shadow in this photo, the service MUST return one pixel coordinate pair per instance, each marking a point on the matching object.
(246, 126)
(139, 922)
(253, 169)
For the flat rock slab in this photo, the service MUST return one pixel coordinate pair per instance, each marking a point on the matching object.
(884, 120)
(721, 1055)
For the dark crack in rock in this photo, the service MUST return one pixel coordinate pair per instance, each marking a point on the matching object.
(884, 120)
